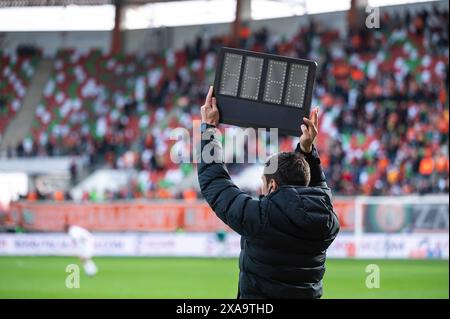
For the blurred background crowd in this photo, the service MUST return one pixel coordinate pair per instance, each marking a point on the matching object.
(383, 96)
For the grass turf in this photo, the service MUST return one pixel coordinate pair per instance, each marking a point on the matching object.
(44, 277)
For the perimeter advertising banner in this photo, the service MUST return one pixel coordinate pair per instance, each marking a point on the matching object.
(384, 246)
(132, 216)
(198, 217)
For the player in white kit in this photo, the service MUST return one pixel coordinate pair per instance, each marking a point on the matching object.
(84, 242)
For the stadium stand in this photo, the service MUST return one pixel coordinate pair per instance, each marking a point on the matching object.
(16, 72)
(382, 133)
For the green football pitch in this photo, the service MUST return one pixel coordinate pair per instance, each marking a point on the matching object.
(45, 277)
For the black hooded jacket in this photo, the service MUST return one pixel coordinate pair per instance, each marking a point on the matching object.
(284, 236)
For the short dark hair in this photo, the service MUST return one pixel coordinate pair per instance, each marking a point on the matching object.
(292, 169)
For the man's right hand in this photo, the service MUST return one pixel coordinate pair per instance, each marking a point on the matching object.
(209, 111)
(309, 131)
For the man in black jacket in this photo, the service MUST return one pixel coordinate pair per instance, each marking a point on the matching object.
(285, 233)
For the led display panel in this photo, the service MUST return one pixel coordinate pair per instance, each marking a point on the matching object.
(262, 90)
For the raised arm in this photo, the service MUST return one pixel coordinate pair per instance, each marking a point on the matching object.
(234, 207)
(306, 147)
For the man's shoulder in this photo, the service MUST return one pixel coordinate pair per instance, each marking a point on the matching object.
(290, 194)
(313, 190)
(300, 190)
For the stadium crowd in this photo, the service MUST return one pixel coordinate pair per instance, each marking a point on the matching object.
(383, 95)
(16, 72)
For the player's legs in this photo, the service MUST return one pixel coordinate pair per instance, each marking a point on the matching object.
(90, 268)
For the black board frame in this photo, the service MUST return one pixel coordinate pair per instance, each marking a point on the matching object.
(248, 113)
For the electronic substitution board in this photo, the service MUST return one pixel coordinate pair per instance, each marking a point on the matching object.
(263, 90)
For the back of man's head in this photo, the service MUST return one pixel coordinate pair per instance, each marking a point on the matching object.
(292, 169)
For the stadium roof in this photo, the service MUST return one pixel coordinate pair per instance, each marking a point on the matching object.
(99, 15)
(29, 3)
